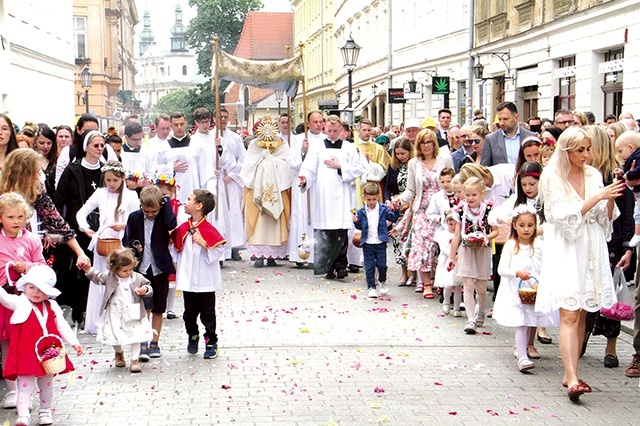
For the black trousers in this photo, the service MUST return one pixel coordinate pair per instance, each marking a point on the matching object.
(72, 283)
(330, 250)
(203, 305)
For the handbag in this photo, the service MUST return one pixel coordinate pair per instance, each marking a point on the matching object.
(622, 310)
(132, 312)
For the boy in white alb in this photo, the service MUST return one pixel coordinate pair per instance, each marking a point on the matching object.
(197, 248)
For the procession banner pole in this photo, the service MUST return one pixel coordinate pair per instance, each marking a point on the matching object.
(288, 48)
(214, 47)
(306, 129)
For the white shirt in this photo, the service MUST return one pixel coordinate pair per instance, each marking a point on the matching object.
(147, 254)
(373, 216)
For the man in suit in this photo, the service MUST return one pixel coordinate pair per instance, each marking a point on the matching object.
(465, 149)
(503, 145)
(444, 121)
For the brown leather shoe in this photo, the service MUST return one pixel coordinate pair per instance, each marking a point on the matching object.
(120, 362)
(135, 366)
(633, 370)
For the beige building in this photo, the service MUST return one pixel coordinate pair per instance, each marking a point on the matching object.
(314, 27)
(104, 41)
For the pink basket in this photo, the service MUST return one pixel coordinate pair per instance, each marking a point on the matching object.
(619, 312)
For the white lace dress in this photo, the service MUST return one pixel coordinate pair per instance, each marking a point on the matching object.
(575, 270)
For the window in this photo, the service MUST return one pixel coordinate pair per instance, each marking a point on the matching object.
(184, 70)
(612, 86)
(162, 71)
(80, 36)
(567, 87)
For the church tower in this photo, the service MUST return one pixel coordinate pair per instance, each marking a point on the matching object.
(146, 36)
(178, 43)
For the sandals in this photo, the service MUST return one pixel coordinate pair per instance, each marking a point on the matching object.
(575, 392)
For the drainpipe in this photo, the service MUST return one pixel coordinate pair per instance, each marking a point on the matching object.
(470, 75)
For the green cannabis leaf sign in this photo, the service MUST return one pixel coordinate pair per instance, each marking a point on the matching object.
(440, 85)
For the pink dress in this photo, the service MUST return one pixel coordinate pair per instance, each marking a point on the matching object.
(423, 256)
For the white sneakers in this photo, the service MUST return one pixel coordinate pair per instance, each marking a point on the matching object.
(372, 294)
(384, 289)
(10, 400)
(44, 417)
(446, 308)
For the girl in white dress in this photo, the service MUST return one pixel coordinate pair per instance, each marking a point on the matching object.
(126, 321)
(114, 202)
(520, 260)
(447, 280)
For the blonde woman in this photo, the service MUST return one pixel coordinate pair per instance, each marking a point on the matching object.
(575, 276)
(422, 183)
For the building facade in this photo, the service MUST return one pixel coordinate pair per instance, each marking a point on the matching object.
(36, 61)
(160, 72)
(104, 42)
(581, 54)
(541, 54)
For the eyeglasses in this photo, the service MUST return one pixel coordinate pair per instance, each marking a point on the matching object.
(425, 143)
(565, 122)
(464, 136)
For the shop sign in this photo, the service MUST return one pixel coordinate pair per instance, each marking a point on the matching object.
(565, 72)
(611, 66)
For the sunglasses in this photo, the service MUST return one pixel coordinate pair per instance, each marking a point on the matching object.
(475, 141)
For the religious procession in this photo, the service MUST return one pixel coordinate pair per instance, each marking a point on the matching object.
(130, 224)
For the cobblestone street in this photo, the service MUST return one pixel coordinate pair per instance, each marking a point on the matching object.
(295, 349)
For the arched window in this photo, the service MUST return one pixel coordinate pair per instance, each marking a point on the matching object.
(184, 70)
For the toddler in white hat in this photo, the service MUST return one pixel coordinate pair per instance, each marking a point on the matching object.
(36, 336)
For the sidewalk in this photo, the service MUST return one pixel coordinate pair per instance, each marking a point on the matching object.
(299, 350)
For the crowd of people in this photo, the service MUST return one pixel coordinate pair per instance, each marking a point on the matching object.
(542, 209)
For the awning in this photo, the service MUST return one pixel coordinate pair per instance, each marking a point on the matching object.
(527, 77)
(363, 102)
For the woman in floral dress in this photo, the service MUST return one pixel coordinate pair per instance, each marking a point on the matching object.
(422, 183)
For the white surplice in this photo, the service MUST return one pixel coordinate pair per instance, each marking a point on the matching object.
(234, 150)
(188, 180)
(300, 219)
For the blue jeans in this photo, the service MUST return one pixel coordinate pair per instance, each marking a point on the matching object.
(375, 255)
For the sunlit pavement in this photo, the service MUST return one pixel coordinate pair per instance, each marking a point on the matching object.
(295, 349)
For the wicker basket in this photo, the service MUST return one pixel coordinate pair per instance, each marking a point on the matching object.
(52, 365)
(528, 291)
(106, 246)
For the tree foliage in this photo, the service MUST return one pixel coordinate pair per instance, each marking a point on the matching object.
(178, 100)
(223, 18)
(188, 100)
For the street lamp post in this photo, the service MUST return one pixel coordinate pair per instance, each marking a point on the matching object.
(350, 52)
(279, 97)
(86, 78)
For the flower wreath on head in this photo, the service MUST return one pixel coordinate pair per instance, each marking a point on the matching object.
(113, 168)
(524, 209)
(134, 176)
(163, 180)
(549, 142)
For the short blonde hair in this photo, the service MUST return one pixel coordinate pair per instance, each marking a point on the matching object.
(12, 200)
(474, 182)
(470, 170)
(426, 135)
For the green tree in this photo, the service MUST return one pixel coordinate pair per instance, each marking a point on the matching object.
(179, 100)
(224, 18)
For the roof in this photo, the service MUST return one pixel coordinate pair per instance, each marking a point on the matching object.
(265, 35)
